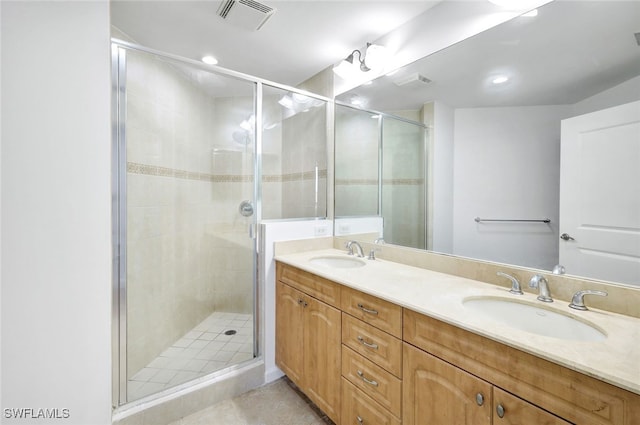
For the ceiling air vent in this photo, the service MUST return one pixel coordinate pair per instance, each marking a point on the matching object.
(248, 14)
(410, 79)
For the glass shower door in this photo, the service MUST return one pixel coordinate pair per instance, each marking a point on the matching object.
(187, 162)
(403, 183)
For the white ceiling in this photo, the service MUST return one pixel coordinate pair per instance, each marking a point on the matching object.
(570, 51)
(301, 39)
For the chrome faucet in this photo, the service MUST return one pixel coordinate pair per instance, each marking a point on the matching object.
(577, 301)
(515, 285)
(359, 250)
(538, 281)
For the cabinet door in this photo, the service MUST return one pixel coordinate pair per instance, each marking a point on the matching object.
(322, 350)
(515, 411)
(289, 330)
(437, 393)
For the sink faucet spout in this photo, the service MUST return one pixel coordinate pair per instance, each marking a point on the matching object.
(538, 281)
(359, 250)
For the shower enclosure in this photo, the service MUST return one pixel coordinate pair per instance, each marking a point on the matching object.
(188, 180)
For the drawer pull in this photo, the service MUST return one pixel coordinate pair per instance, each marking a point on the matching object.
(367, 344)
(360, 420)
(366, 310)
(500, 410)
(361, 375)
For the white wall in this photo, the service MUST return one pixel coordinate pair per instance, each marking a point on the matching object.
(442, 174)
(626, 92)
(56, 200)
(507, 163)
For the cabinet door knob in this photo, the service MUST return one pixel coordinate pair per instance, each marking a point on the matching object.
(479, 399)
(500, 410)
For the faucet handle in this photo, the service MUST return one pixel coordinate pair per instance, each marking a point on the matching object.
(515, 285)
(577, 302)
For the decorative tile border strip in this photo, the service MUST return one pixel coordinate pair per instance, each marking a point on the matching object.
(154, 170)
(374, 182)
(290, 177)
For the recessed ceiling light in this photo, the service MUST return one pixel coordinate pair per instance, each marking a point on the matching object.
(209, 60)
(500, 79)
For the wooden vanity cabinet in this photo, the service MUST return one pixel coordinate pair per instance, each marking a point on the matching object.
(438, 393)
(529, 389)
(363, 360)
(308, 340)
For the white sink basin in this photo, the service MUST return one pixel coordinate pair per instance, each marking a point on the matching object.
(338, 262)
(535, 319)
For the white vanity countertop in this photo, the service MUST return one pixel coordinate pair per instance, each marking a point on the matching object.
(615, 360)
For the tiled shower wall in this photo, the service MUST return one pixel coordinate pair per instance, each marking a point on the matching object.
(188, 250)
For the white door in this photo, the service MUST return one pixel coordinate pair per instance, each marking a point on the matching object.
(600, 194)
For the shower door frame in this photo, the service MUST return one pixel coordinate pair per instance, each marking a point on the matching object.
(119, 49)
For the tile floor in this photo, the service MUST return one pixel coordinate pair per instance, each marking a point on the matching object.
(204, 349)
(278, 403)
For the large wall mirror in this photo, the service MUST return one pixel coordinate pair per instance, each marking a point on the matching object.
(521, 145)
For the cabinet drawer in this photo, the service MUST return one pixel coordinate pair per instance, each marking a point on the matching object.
(379, 313)
(374, 344)
(319, 288)
(359, 408)
(373, 380)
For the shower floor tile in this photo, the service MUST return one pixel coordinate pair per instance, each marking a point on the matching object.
(203, 350)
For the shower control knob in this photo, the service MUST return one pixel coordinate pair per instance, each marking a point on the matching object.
(246, 208)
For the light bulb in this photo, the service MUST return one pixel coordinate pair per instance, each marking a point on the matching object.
(376, 56)
(209, 60)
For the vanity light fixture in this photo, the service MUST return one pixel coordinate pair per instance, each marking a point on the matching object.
(209, 60)
(374, 57)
